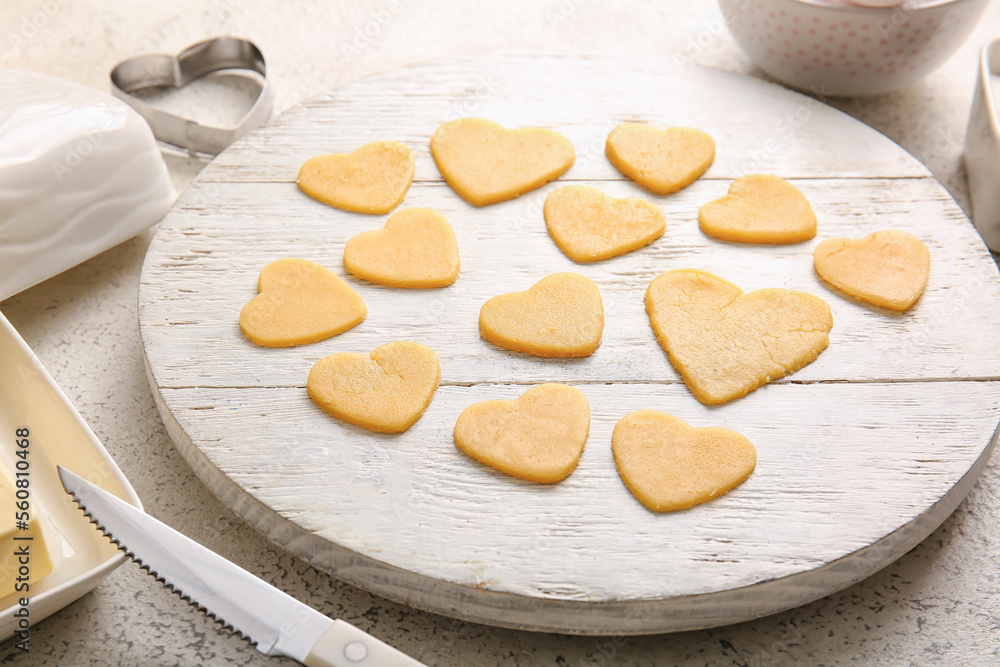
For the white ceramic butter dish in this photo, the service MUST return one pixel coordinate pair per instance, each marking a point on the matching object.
(80, 172)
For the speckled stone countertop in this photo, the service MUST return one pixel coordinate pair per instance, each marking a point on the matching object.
(939, 604)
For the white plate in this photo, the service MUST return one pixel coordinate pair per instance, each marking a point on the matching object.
(861, 454)
(81, 556)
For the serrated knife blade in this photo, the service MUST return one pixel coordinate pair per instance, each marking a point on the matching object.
(275, 622)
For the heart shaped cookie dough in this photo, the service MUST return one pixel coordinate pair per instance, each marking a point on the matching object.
(887, 268)
(299, 302)
(561, 315)
(416, 248)
(662, 161)
(486, 163)
(589, 225)
(669, 465)
(385, 391)
(538, 437)
(373, 179)
(725, 343)
(759, 208)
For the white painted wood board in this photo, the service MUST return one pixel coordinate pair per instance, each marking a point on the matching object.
(861, 454)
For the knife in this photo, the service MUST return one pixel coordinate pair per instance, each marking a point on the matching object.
(275, 622)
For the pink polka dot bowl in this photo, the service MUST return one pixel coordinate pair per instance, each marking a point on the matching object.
(836, 48)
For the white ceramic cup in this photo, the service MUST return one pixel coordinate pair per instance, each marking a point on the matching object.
(982, 149)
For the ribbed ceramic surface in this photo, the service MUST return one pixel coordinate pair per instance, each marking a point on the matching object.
(80, 172)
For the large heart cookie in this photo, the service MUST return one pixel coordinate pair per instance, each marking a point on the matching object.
(538, 437)
(662, 161)
(385, 391)
(669, 465)
(415, 248)
(486, 163)
(759, 208)
(887, 268)
(725, 343)
(559, 316)
(299, 302)
(588, 225)
(373, 179)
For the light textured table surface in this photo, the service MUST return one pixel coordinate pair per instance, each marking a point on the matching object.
(939, 604)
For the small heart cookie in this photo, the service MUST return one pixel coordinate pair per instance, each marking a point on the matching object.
(669, 465)
(662, 161)
(589, 225)
(887, 268)
(416, 248)
(299, 302)
(725, 343)
(559, 316)
(385, 391)
(538, 437)
(373, 179)
(486, 163)
(759, 208)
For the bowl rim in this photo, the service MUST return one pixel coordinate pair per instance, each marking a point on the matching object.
(910, 6)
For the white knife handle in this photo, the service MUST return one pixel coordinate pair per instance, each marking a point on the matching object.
(343, 645)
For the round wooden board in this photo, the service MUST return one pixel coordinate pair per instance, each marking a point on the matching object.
(861, 453)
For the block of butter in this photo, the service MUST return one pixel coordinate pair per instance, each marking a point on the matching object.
(80, 172)
(23, 556)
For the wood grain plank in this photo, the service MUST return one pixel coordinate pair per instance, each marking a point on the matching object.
(217, 241)
(416, 498)
(790, 136)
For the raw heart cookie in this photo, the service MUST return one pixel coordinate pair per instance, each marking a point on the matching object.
(662, 161)
(887, 268)
(725, 343)
(385, 391)
(299, 302)
(486, 163)
(759, 209)
(589, 225)
(538, 437)
(373, 179)
(669, 465)
(559, 316)
(416, 248)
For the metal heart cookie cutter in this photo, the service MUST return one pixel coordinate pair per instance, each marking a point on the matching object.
(167, 71)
